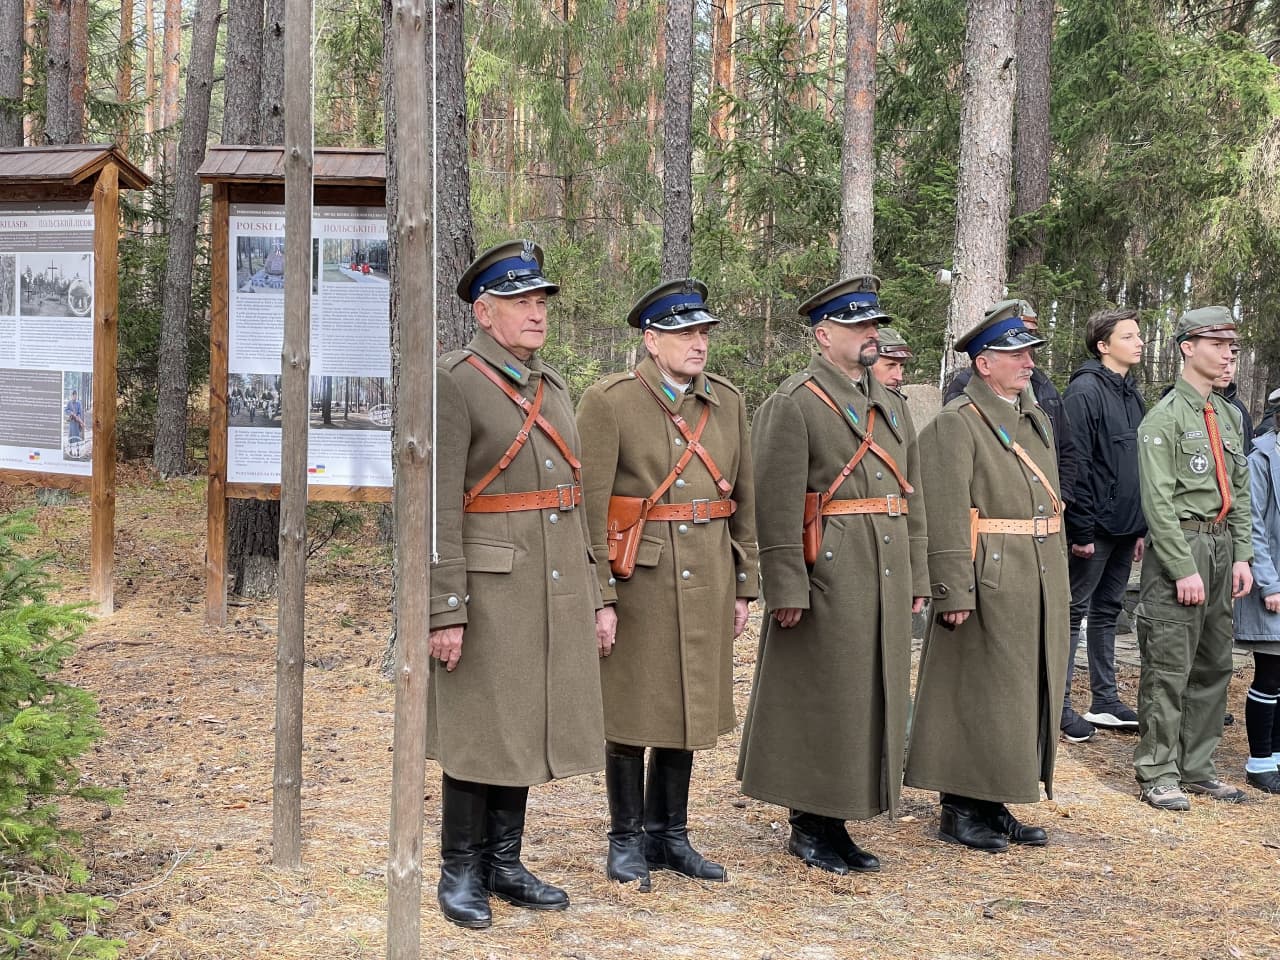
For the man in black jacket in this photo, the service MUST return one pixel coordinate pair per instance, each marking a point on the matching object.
(1105, 524)
(1050, 401)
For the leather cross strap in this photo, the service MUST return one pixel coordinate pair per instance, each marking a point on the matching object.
(692, 439)
(683, 461)
(880, 452)
(506, 503)
(1020, 452)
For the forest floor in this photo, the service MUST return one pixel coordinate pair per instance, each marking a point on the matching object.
(188, 710)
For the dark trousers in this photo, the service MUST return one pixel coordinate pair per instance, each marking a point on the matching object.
(1097, 592)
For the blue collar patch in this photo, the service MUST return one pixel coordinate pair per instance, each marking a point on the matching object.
(513, 373)
(671, 394)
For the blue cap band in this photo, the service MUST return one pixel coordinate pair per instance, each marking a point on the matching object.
(992, 334)
(842, 303)
(688, 300)
(520, 267)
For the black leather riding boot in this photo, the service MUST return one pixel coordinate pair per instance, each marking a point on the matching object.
(624, 782)
(962, 821)
(810, 840)
(461, 892)
(858, 860)
(998, 818)
(666, 817)
(504, 875)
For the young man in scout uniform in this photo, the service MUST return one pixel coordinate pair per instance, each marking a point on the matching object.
(825, 730)
(895, 353)
(991, 674)
(674, 436)
(1194, 482)
(514, 693)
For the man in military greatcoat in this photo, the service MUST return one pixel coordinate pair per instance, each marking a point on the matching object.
(825, 729)
(514, 693)
(673, 435)
(895, 354)
(991, 674)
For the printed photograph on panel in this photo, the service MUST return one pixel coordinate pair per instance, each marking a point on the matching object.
(8, 285)
(77, 416)
(355, 261)
(350, 403)
(56, 284)
(253, 400)
(260, 264)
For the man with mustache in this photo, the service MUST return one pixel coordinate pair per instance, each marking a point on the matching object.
(891, 367)
(673, 435)
(995, 655)
(825, 729)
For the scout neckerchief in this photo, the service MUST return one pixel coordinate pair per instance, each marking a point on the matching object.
(1020, 452)
(533, 416)
(868, 443)
(692, 439)
(1219, 462)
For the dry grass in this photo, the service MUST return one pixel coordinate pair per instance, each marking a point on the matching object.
(188, 713)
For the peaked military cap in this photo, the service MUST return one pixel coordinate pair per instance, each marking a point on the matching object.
(1001, 330)
(1027, 311)
(852, 300)
(505, 270)
(893, 346)
(673, 305)
(1215, 322)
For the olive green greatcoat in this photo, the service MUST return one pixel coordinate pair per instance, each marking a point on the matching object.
(825, 729)
(669, 680)
(523, 704)
(989, 695)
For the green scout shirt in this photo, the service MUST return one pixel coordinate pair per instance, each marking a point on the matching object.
(1177, 479)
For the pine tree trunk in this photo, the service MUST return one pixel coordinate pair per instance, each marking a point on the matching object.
(78, 70)
(30, 122)
(124, 78)
(149, 86)
(57, 109)
(169, 84)
(986, 161)
(243, 86)
(653, 108)
(723, 13)
(170, 456)
(10, 73)
(272, 125)
(858, 156)
(1032, 148)
(677, 146)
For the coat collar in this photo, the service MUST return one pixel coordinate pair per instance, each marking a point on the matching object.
(1005, 415)
(702, 387)
(518, 371)
(856, 398)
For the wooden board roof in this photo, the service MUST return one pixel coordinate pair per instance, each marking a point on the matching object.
(66, 165)
(333, 166)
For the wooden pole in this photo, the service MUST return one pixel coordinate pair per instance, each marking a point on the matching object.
(286, 812)
(411, 455)
(102, 496)
(215, 557)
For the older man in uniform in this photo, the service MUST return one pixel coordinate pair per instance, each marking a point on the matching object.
(895, 353)
(1194, 482)
(514, 694)
(991, 675)
(675, 437)
(825, 729)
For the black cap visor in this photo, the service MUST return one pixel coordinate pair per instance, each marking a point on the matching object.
(679, 320)
(859, 313)
(510, 286)
(1015, 340)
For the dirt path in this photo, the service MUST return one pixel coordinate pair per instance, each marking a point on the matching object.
(188, 713)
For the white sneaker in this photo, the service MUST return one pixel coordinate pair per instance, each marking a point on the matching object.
(1117, 718)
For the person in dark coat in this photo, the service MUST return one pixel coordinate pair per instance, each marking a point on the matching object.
(1046, 394)
(1105, 524)
(1226, 386)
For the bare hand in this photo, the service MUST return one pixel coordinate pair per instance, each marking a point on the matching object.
(917, 604)
(955, 617)
(1241, 579)
(1190, 590)
(445, 645)
(1272, 602)
(606, 629)
(740, 616)
(1139, 550)
(1082, 550)
(787, 616)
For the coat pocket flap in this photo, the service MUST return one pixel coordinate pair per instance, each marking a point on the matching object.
(487, 557)
(650, 551)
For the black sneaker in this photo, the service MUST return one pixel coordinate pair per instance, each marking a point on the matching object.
(1268, 781)
(1078, 730)
(1114, 717)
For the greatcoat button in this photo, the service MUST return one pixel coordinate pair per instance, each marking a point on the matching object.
(1039, 508)
(555, 574)
(886, 571)
(742, 578)
(888, 539)
(683, 528)
(680, 482)
(453, 602)
(685, 574)
(552, 517)
(829, 554)
(879, 474)
(613, 582)
(995, 556)
(549, 464)
(679, 442)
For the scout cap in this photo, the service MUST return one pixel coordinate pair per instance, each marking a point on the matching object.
(1001, 330)
(505, 270)
(893, 346)
(849, 301)
(673, 305)
(1215, 322)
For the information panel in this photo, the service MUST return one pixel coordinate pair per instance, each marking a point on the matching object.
(46, 337)
(349, 440)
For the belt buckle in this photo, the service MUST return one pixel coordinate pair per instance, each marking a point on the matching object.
(701, 511)
(565, 500)
(1036, 524)
(893, 505)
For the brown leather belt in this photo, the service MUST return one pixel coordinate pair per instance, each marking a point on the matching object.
(699, 511)
(893, 505)
(564, 497)
(1035, 527)
(1203, 526)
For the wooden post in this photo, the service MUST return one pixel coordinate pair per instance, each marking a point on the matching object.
(102, 496)
(215, 556)
(414, 276)
(286, 813)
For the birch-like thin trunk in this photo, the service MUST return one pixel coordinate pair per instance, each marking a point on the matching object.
(858, 154)
(677, 146)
